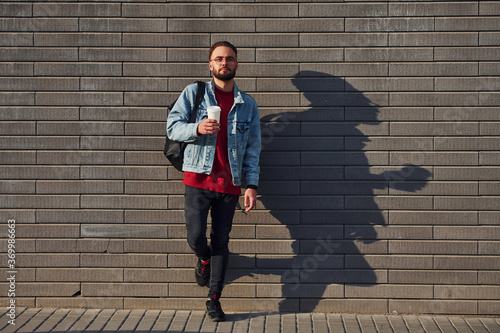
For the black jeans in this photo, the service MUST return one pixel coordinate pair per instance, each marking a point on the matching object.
(197, 203)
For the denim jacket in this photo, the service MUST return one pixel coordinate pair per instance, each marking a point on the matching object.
(243, 129)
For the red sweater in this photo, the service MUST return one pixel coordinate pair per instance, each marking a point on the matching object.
(220, 179)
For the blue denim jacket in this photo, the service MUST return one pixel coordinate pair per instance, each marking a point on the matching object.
(243, 129)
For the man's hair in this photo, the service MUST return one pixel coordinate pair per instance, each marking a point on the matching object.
(221, 43)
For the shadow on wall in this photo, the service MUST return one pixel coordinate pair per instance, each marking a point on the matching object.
(317, 182)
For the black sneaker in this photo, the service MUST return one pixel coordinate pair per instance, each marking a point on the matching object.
(214, 310)
(202, 273)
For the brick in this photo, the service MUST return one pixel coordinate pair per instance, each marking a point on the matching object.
(122, 143)
(488, 38)
(261, 40)
(26, 289)
(80, 302)
(39, 172)
(466, 173)
(79, 39)
(388, 113)
(488, 277)
(432, 247)
(466, 24)
(75, 9)
(79, 128)
(17, 128)
(122, 25)
(433, 306)
(488, 308)
(300, 291)
(390, 84)
(157, 246)
(307, 263)
(488, 129)
(301, 55)
(35, 142)
(489, 99)
(342, 10)
(23, 274)
(389, 54)
(24, 215)
(490, 248)
(35, 201)
(464, 114)
(342, 39)
(47, 231)
(145, 158)
(488, 68)
(467, 84)
(389, 24)
(250, 10)
(433, 39)
(433, 69)
(123, 113)
(433, 9)
(18, 157)
(433, 188)
(296, 232)
(342, 158)
(303, 25)
(122, 54)
(387, 232)
(422, 276)
(125, 172)
(347, 99)
(192, 290)
(249, 246)
(153, 187)
(489, 218)
(489, 188)
(16, 39)
(391, 262)
(343, 128)
(158, 275)
(467, 233)
(433, 158)
(38, 113)
(211, 25)
(124, 84)
(15, 9)
(123, 260)
(77, 69)
(16, 69)
(330, 245)
(63, 260)
(164, 40)
(124, 201)
(16, 98)
(436, 99)
(123, 231)
(466, 53)
(17, 187)
(78, 245)
(38, 24)
(390, 143)
(124, 290)
(433, 218)
(38, 54)
(389, 291)
(166, 10)
(367, 306)
(343, 187)
(162, 69)
(304, 202)
(467, 262)
(79, 157)
(79, 98)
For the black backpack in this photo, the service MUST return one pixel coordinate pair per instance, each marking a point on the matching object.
(174, 150)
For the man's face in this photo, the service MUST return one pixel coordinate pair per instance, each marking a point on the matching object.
(223, 63)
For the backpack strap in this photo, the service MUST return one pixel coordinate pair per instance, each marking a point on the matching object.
(197, 100)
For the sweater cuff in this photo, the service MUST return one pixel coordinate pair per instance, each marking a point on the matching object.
(254, 187)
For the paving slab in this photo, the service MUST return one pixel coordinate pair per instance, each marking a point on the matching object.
(48, 320)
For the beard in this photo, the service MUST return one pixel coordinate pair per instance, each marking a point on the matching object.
(225, 76)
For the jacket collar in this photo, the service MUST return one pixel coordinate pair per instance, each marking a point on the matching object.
(238, 98)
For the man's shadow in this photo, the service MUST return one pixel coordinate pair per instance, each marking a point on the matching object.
(317, 183)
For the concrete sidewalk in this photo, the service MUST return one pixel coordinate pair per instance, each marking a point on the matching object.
(33, 320)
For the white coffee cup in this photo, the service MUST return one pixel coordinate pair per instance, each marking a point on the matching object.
(214, 113)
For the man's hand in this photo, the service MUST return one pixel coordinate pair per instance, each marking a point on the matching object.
(208, 126)
(250, 199)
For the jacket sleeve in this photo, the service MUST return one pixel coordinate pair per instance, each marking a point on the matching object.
(178, 126)
(251, 168)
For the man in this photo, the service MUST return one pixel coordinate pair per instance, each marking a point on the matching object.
(220, 157)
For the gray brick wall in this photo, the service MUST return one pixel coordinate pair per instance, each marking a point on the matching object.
(380, 172)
